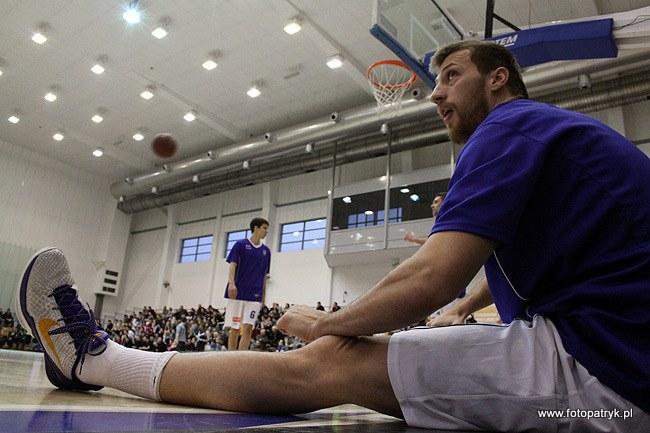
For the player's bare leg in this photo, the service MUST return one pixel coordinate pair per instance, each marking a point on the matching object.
(327, 372)
(233, 339)
(245, 340)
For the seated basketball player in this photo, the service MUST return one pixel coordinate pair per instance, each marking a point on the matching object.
(556, 206)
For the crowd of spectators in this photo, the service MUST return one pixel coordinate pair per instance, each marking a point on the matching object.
(158, 331)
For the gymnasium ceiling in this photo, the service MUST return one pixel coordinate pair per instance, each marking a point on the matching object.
(251, 47)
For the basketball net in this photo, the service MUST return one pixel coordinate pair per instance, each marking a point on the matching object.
(389, 79)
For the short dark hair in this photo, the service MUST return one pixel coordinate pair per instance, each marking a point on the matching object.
(488, 56)
(258, 222)
(442, 195)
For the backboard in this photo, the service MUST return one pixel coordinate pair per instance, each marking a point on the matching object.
(413, 30)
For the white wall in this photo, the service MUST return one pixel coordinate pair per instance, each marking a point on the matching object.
(47, 203)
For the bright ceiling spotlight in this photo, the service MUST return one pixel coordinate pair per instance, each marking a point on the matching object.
(138, 136)
(347, 199)
(253, 92)
(50, 96)
(14, 119)
(335, 62)
(97, 118)
(293, 26)
(58, 136)
(190, 116)
(39, 38)
(132, 15)
(97, 153)
(404, 190)
(147, 93)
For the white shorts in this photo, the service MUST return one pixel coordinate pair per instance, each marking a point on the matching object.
(241, 312)
(494, 377)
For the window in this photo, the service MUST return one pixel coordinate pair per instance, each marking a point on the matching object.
(196, 249)
(233, 237)
(303, 235)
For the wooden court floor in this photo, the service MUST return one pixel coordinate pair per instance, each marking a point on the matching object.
(30, 404)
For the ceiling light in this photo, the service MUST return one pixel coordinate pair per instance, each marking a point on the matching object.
(132, 15)
(138, 136)
(98, 152)
(0, 72)
(414, 197)
(190, 115)
(369, 212)
(196, 179)
(246, 165)
(39, 38)
(404, 190)
(97, 69)
(209, 65)
(159, 33)
(335, 62)
(14, 119)
(253, 92)
(121, 199)
(147, 93)
(50, 97)
(58, 136)
(293, 27)
(97, 118)
(154, 190)
(347, 199)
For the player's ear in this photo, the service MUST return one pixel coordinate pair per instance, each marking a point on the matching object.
(498, 78)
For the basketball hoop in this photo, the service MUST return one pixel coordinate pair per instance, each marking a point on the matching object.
(389, 79)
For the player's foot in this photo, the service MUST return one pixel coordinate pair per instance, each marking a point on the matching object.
(48, 305)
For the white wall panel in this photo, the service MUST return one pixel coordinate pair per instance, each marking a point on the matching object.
(149, 219)
(47, 203)
(303, 187)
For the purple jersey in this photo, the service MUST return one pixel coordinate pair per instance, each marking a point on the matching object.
(568, 201)
(253, 263)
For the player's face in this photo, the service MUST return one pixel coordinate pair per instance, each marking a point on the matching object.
(435, 205)
(262, 231)
(460, 95)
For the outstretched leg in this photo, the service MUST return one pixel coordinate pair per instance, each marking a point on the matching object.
(327, 372)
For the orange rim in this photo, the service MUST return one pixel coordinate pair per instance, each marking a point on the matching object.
(392, 62)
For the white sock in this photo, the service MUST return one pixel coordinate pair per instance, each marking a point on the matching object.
(130, 370)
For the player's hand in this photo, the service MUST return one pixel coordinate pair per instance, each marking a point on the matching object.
(409, 236)
(301, 321)
(232, 291)
(447, 318)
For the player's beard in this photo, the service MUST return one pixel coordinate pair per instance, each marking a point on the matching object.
(476, 109)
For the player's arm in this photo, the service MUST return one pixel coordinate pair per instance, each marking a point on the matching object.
(428, 280)
(457, 313)
(410, 237)
(232, 288)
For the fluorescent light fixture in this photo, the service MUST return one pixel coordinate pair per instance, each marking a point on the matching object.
(159, 33)
(190, 116)
(369, 212)
(97, 69)
(97, 118)
(253, 92)
(39, 38)
(404, 190)
(14, 119)
(335, 62)
(98, 152)
(293, 27)
(49, 96)
(414, 197)
(1, 72)
(209, 65)
(138, 136)
(147, 94)
(347, 199)
(58, 136)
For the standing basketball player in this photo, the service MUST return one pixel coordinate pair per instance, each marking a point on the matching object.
(250, 261)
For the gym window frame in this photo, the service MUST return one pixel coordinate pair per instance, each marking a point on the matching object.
(234, 236)
(194, 249)
(303, 235)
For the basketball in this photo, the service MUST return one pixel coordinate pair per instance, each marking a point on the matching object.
(164, 145)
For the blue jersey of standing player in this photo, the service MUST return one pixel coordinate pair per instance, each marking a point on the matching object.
(253, 263)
